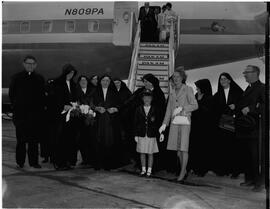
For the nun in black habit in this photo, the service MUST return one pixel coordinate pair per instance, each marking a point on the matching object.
(65, 153)
(202, 125)
(85, 139)
(228, 150)
(107, 124)
(126, 129)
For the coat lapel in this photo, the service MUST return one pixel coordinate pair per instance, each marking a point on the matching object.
(142, 111)
(230, 97)
(248, 90)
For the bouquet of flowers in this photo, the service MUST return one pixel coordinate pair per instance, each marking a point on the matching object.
(80, 111)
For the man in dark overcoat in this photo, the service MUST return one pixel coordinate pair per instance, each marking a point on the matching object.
(27, 97)
(250, 113)
(148, 23)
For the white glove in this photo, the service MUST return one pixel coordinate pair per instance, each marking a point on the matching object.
(136, 139)
(177, 111)
(162, 128)
(161, 138)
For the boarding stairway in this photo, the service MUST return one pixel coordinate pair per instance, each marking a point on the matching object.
(155, 58)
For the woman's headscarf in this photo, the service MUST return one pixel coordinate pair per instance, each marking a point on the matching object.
(123, 85)
(153, 80)
(67, 68)
(111, 85)
(205, 86)
(233, 85)
(80, 78)
(158, 95)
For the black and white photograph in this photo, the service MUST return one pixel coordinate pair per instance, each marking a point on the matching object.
(135, 104)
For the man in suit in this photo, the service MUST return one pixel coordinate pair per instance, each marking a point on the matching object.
(27, 96)
(252, 104)
(148, 23)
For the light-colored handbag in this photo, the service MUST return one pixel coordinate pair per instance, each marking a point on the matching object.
(181, 120)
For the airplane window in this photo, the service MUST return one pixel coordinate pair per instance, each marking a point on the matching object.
(47, 26)
(70, 26)
(93, 26)
(25, 27)
(5, 27)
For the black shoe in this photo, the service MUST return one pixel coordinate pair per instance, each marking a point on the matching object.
(36, 166)
(234, 176)
(97, 168)
(182, 180)
(46, 159)
(200, 174)
(83, 163)
(20, 166)
(258, 188)
(246, 184)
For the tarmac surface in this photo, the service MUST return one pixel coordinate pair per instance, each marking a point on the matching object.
(122, 188)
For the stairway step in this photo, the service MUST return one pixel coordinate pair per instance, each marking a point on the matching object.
(151, 44)
(153, 52)
(161, 83)
(154, 72)
(154, 49)
(153, 60)
(150, 62)
(153, 67)
(159, 77)
(154, 56)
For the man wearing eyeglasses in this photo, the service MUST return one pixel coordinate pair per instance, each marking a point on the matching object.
(250, 128)
(27, 96)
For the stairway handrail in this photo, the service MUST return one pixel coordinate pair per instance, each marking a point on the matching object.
(132, 71)
(178, 33)
(171, 50)
(132, 14)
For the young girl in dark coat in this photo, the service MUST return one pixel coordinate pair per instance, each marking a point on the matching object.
(150, 82)
(146, 131)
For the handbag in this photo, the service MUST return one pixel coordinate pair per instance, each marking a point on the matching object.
(227, 123)
(246, 123)
(163, 35)
(181, 120)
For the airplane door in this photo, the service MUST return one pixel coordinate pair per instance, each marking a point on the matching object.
(122, 30)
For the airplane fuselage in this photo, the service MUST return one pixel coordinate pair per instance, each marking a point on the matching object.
(97, 37)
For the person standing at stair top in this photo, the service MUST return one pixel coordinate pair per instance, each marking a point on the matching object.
(170, 18)
(161, 24)
(148, 23)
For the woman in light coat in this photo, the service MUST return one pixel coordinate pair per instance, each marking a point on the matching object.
(181, 102)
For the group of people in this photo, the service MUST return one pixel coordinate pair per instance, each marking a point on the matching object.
(222, 133)
(155, 22)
